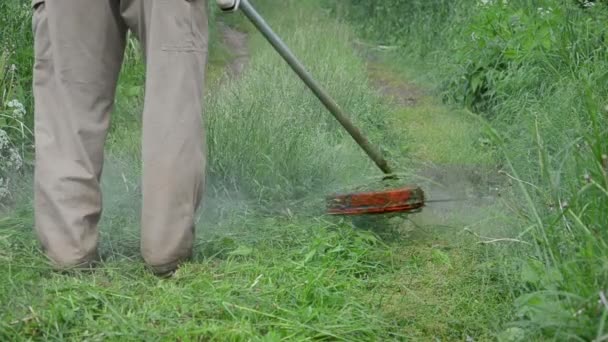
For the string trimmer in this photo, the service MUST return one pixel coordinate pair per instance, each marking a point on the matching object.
(402, 199)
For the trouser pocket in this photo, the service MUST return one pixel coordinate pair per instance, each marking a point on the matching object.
(179, 25)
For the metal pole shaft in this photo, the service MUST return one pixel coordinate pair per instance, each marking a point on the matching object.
(329, 103)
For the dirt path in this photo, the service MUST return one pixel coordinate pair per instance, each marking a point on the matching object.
(398, 91)
(474, 187)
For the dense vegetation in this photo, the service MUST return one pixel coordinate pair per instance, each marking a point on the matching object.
(538, 71)
(524, 91)
(15, 94)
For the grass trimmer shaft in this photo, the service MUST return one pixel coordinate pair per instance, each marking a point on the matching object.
(398, 200)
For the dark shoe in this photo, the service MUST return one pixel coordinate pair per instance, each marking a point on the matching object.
(86, 265)
(165, 275)
(168, 270)
(165, 271)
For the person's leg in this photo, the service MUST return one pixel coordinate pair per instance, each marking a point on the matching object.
(79, 46)
(174, 37)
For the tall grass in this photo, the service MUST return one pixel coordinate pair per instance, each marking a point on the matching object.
(15, 99)
(536, 71)
(16, 45)
(271, 138)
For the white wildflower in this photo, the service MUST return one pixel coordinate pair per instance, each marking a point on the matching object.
(544, 11)
(18, 109)
(588, 4)
(14, 159)
(3, 188)
(10, 158)
(486, 3)
(4, 141)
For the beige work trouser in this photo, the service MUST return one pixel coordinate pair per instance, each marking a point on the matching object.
(79, 47)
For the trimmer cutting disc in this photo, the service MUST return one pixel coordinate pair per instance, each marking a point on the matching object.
(405, 200)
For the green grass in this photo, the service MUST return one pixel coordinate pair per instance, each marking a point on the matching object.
(269, 265)
(434, 133)
(265, 279)
(315, 278)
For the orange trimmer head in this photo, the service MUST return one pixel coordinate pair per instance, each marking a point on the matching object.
(406, 199)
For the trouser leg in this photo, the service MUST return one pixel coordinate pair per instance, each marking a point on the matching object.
(79, 46)
(174, 37)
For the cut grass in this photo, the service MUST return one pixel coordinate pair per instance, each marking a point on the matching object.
(444, 136)
(270, 279)
(431, 131)
(302, 285)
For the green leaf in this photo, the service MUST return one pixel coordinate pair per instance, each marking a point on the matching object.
(368, 237)
(134, 91)
(545, 37)
(310, 255)
(513, 334)
(476, 81)
(510, 53)
(552, 279)
(242, 251)
(531, 272)
(337, 249)
(440, 257)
